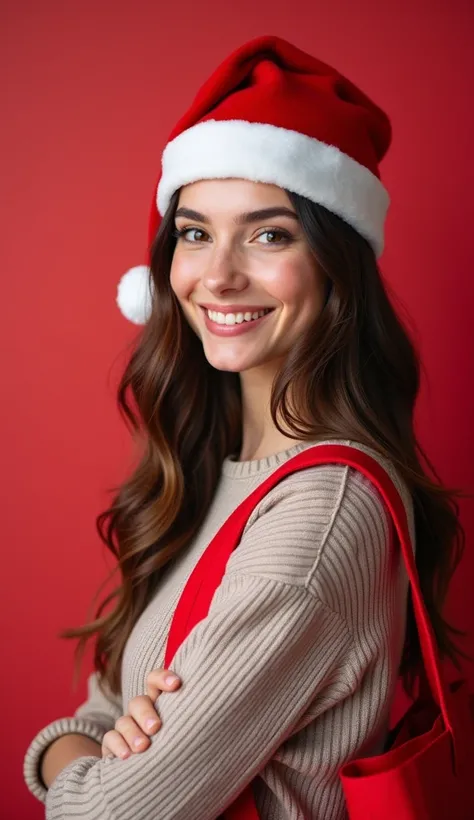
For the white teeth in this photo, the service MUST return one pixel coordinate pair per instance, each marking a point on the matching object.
(235, 318)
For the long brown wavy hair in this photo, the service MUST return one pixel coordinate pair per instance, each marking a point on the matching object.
(354, 374)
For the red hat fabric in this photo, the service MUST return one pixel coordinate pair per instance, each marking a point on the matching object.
(272, 113)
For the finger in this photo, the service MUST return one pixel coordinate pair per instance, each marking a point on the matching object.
(156, 683)
(107, 752)
(114, 744)
(132, 734)
(143, 712)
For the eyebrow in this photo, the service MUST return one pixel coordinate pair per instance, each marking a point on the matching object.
(245, 218)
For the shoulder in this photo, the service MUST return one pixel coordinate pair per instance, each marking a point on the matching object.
(318, 528)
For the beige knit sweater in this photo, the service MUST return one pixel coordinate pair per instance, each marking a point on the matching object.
(290, 675)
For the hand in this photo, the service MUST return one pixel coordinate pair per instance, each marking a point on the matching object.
(132, 731)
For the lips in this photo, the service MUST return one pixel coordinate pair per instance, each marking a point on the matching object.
(235, 312)
(235, 329)
(235, 308)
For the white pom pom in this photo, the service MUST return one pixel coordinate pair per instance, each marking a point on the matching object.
(134, 294)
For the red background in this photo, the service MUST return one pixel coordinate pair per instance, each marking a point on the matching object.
(92, 91)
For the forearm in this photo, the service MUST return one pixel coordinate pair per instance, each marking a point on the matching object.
(63, 751)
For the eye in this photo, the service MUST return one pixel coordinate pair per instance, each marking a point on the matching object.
(181, 233)
(276, 232)
(285, 237)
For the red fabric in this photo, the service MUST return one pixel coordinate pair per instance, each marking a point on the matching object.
(270, 80)
(426, 774)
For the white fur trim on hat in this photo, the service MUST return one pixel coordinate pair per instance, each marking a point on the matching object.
(267, 153)
(134, 294)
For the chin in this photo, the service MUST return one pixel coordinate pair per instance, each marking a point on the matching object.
(226, 368)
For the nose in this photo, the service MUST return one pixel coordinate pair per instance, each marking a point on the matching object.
(222, 272)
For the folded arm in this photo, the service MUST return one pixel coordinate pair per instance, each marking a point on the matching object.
(249, 670)
(69, 738)
(297, 615)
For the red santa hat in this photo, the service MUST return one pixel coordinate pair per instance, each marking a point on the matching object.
(273, 113)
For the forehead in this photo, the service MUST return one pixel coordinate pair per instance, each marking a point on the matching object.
(231, 196)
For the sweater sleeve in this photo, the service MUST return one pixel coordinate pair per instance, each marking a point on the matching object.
(92, 718)
(269, 648)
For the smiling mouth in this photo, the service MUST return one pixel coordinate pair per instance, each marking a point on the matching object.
(241, 317)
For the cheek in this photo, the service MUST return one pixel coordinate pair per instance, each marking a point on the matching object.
(182, 277)
(298, 285)
(183, 283)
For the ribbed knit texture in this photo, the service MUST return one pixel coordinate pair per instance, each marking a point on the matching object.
(290, 675)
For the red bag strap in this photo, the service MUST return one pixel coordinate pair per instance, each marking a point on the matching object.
(197, 595)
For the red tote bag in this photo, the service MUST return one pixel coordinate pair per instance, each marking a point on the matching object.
(427, 772)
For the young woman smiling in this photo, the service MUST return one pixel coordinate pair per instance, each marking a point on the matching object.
(268, 330)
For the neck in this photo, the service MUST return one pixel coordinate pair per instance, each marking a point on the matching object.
(260, 437)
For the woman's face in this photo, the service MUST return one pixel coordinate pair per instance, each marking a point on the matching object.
(242, 266)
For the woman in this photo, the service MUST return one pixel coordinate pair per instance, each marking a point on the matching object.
(269, 331)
